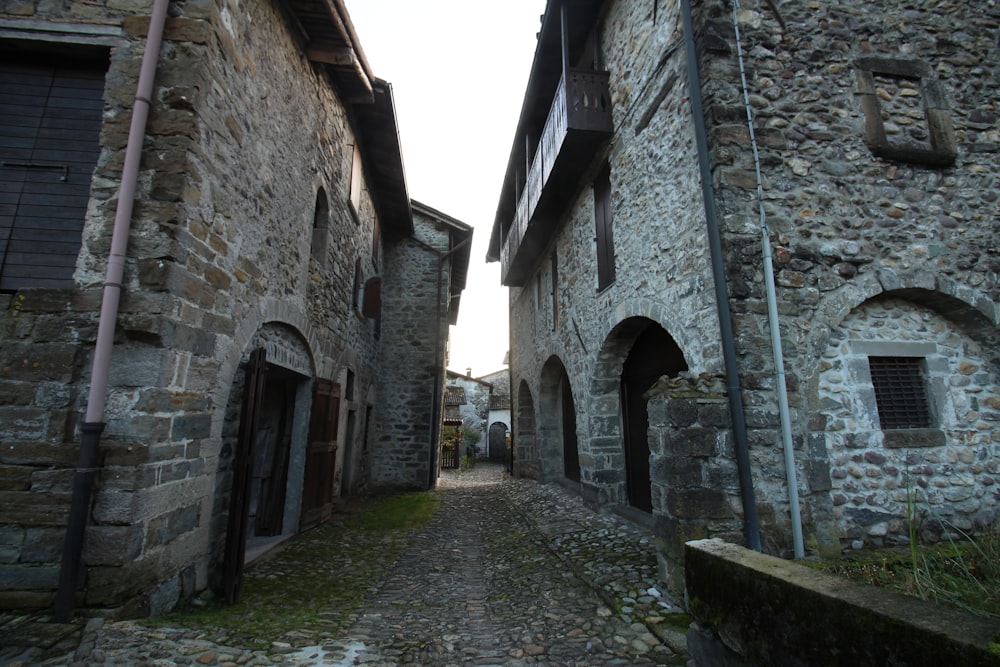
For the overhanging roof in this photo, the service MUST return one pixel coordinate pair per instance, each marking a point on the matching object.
(460, 249)
(332, 43)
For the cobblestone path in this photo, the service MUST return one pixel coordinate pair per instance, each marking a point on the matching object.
(508, 572)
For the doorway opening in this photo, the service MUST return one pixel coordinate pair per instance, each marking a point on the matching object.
(653, 355)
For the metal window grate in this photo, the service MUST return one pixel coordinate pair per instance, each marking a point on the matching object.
(899, 392)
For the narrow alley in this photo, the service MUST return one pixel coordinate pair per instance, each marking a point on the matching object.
(508, 572)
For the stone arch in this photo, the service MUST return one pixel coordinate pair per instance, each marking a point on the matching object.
(875, 473)
(608, 444)
(269, 310)
(557, 432)
(280, 443)
(953, 300)
(526, 454)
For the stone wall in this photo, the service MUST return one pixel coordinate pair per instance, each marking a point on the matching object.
(243, 134)
(863, 208)
(944, 479)
(849, 227)
(414, 299)
(754, 609)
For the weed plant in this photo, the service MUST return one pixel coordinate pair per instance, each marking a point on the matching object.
(962, 571)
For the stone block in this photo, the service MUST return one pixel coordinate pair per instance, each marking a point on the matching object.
(112, 545)
(676, 473)
(818, 475)
(695, 441)
(14, 478)
(28, 577)
(43, 545)
(729, 586)
(191, 426)
(682, 412)
(698, 504)
(38, 362)
(27, 508)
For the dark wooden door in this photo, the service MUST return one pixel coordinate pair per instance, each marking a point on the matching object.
(272, 451)
(321, 459)
(571, 450)
(50, 123)
(239, 503)
(653, 355)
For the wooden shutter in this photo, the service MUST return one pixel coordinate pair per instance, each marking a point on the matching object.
(239, 501)
(321, 459)
(50, 123)
(605, 235)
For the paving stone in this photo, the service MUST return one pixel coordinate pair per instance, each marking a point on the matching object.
(508, 572)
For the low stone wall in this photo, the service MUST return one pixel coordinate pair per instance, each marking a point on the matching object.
(754, 609)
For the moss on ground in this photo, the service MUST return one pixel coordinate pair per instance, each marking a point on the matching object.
(311, 587)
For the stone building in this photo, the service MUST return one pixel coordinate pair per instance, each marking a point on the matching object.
(474, 407)
(499, 419)
(280, 295)
(688, 177)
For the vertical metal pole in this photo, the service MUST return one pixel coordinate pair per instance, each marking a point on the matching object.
(93, 421)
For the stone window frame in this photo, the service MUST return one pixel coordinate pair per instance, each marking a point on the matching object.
(942, 151)
(356, 184)
(321, 228)
(935, 370)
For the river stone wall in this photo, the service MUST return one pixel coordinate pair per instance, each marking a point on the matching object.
(877, 135)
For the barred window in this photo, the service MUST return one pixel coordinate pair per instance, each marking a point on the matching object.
(900, 394)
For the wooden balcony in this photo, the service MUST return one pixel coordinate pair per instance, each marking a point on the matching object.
(579, 122)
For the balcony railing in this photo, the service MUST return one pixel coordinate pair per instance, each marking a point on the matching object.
(579, 121)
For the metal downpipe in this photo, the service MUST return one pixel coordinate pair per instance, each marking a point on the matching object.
(93, 423)
(751, 525)
(772, 317)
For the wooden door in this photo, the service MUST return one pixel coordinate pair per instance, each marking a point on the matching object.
(321, 458)
(239, 502)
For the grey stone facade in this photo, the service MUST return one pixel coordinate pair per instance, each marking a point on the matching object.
(877, 136)
(475, 411)
(255, 227)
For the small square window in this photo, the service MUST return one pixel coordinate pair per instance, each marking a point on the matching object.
(900, 394)
(916, 126)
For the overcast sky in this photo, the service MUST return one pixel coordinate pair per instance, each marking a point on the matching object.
(458, 70)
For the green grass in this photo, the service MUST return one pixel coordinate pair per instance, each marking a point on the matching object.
(313, 585)
(960, 574)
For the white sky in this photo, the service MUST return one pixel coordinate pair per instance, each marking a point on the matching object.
(458, 70)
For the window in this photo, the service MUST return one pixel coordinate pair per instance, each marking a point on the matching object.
(356, 292)
(555, 292)
(49, 145)
(900, 395)
(906, 115)
(321, 228)
(376, 240)
(357, 178)
(604, 231)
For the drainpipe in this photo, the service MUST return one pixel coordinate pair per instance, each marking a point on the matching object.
(751, 527)
(772, 317)
(93, 424)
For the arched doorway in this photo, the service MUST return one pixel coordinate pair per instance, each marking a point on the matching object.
(526, 456)
(557, 423)
(497, 442)
(266, 456)
(653, 355)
